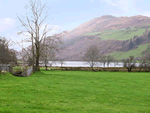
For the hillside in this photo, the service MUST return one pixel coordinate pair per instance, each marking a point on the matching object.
(109, 33)
(108, 22)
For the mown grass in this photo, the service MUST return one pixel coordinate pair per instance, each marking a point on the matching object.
(136, 52)
(75, 92)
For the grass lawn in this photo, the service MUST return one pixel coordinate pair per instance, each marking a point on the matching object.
(76, 92)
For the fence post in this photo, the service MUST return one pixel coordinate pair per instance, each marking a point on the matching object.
(11, 68)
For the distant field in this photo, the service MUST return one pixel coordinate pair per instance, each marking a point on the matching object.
(76, 92)
(135, 52)
(118, 34)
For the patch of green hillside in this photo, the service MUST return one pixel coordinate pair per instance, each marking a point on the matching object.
(118, 34)
(135, 52)
(122, 35)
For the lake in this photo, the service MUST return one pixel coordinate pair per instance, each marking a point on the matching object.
(83, 64)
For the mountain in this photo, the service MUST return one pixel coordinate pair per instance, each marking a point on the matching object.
(108, 22)
(111, 34)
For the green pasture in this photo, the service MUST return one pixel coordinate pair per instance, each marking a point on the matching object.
(136, 52)
(118, 34)
(75, 92)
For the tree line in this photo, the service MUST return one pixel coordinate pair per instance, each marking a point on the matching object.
(92, 56)
(7, 54)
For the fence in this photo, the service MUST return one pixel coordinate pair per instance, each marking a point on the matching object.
(5, 67)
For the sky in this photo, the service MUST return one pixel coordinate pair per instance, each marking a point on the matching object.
(67, 14)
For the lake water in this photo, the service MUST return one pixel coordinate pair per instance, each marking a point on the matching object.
(83, 64)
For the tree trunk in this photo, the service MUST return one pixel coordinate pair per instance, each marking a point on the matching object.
(104, 64)
(37, 63)
(45, 65)
(108, 64)
(37, 67)
(33, 59)
(93, 69)
(140, 70)
(129, 69)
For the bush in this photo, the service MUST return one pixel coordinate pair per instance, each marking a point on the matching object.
(17, 72)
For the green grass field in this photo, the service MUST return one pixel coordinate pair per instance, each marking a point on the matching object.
(118, 34)
(136, 52)
(76, 92)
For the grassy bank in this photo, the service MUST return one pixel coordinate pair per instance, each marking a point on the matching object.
(76, 92)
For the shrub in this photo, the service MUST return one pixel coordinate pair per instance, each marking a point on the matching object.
(17, 72)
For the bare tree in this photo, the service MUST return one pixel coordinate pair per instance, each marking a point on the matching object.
(25, 54)
(129, 63)
(102, 59)
(49, 58)
(52, 58)
(109, 59)
(144, 62)
(105, 59)
(33, 25)
(61, 61)
(49, 48)
(116, 62)
(7, 55)
(91, 56)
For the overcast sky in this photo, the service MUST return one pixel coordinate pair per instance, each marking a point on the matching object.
(68, 14)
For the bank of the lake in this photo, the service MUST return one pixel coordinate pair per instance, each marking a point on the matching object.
(82, 64)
